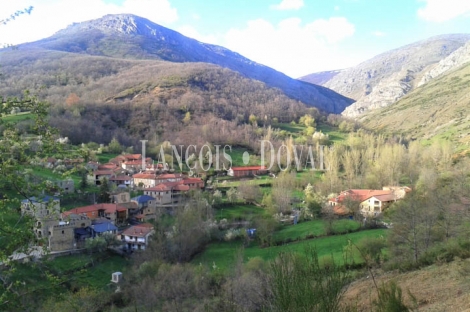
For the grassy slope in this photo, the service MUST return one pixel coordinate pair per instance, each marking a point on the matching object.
(437, 110)
(76, 270)
(443, 287)
(222, 254)
(239, 212)
(315, 227)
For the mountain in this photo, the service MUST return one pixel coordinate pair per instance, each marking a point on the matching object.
(96, 98)
(386, 78)
(453, 61)
(436, 110)
(320, 78)
(132, 37)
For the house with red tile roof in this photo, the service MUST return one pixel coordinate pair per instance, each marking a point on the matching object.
(130, 157)
(193, 183)
(168, 194)
(116, 213)
(246, 171)
(107, 166)
(370, 202)
(144, 180)
(122, 180)
(137, 237)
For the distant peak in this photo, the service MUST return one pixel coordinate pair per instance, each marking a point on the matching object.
(121, 23)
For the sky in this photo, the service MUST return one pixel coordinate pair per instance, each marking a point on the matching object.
(296, 37)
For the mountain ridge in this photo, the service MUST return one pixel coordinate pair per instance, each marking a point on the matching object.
(387, 77)
(142, 39)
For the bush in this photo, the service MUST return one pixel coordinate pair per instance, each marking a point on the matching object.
(390, 299)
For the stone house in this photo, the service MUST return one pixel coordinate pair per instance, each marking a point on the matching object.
(137, 237)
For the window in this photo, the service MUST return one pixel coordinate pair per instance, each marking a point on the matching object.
(63, 232)
(376, 203)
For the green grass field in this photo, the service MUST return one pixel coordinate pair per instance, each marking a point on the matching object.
(239, 212)
(334, 134)
(222, 254)
(17, 117)
(228, 183)
(316, 228)
(105, 157)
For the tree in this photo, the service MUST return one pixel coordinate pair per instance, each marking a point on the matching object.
(187, 118)
(217, 198)
(232, 195)
(253, 120)
(103, 196)
(300, 283)
(249, 192)
(72, 100)
(114, 146)
(265, 227)
(16, 153)
(413, 224)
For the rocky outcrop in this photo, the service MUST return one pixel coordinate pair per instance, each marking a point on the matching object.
(458, 58)
(384, 79)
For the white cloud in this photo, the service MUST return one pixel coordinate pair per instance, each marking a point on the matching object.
(379, 33)
(288, 5)
(49, 16)
(443, 10)
(291, 47)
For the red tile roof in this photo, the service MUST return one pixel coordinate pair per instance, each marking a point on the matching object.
(108, 208)
(192, 180)
(145, 225)
(359, 195)
(144, 176)
(133, 156)
(110, 166)
(168, 186)
(138, 231)
(170, 176)
(133, 162)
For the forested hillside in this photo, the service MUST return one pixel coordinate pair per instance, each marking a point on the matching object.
(98, 98)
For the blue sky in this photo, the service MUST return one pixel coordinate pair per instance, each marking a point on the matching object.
(296, 37)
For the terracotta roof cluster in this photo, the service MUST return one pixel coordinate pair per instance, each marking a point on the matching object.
(108, 208)
(169, 186)
(148, 176)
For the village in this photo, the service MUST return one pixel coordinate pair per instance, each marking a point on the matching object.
(130, 219)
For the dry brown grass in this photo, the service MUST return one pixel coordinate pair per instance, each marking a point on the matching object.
(443, 287)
